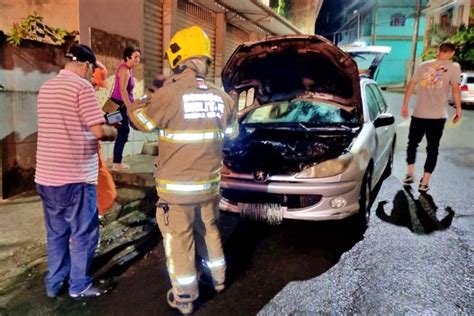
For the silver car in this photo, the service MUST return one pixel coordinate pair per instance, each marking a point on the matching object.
(314, 136)
(467, 89)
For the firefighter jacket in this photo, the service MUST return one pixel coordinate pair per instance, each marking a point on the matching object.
(192, 117)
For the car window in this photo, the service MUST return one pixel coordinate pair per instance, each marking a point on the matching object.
(470, 80)
(312, 113)
(372, 103)
(380, 100)
(363, 60)
(246, 98)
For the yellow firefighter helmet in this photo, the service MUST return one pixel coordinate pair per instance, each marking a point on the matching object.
(187, 43)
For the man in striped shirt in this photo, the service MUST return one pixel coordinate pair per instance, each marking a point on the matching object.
(70, 123)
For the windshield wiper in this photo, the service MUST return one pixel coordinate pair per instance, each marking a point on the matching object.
(305, 127)
(280, 125)
(341, 126)
(315, 128)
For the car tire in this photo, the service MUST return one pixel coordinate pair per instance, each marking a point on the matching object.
(362, 217)
(388, 169)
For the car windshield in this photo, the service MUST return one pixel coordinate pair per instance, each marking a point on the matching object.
(306, 112)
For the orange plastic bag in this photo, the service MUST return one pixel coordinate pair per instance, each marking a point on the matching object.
(106, 191)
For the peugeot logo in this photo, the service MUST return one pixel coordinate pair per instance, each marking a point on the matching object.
(260, 176)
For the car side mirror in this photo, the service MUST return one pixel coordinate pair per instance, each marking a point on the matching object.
(385, 119)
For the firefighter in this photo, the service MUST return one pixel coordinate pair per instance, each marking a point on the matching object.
(192, 118)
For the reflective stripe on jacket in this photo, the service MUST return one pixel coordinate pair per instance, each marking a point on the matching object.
(187, 136)
(191, 118)
(188, 187)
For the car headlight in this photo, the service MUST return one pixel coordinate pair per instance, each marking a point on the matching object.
(327, 168)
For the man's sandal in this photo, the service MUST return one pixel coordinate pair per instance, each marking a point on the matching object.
(408, 179)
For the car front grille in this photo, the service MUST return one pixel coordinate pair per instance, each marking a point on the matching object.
(292, 201)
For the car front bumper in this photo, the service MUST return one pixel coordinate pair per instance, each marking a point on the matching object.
(319, 211)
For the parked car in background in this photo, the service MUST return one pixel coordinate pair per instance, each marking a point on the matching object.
(368, 58)
(467, 90)
(314, 136)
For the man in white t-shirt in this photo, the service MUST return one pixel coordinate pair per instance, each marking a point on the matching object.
(434, 78)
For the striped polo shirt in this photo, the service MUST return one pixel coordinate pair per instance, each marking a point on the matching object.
(67, 150)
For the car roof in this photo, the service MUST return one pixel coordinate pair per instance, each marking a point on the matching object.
(366, 49)
(367, 80)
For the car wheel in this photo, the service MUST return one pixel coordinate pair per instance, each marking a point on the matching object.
(388, 169)
(363, 216)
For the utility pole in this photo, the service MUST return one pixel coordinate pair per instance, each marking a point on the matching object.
(374, 24)
(416, 29)
(358, 23)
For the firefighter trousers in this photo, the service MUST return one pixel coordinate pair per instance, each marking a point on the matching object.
(188, 229)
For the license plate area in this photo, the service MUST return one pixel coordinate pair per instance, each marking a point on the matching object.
(270, 213)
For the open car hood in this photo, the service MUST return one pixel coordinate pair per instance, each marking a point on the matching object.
(368, 58)
(276, 67)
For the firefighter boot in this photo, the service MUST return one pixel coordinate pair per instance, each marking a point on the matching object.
(207, 280)
(184, 307)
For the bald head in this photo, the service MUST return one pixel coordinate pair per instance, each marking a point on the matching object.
(82, 69)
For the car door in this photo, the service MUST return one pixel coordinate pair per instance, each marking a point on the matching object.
(377, 107)
(388, 132)
(467, 88)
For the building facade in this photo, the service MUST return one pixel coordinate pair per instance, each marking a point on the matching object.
(444, 17)
(108, 27)
(386, 23)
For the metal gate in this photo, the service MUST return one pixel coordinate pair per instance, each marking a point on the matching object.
(234, 36)
(192, 14)
(153, 39)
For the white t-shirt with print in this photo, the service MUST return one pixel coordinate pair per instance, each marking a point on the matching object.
(434, 78)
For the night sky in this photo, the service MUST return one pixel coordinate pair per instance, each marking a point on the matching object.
(331, 16)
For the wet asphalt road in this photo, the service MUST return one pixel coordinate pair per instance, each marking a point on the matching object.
(404, 262)
(261, 260)
(417, 255)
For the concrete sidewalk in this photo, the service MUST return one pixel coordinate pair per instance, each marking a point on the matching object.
(22, 242)
(129, 222)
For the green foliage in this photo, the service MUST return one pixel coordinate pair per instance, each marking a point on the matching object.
(464, 41)
(14, 37)
(281, 7)
(463, 38)
(33, 28)
(429, 53)
(438, 34)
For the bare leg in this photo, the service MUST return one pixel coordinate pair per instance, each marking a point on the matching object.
(411, 169)
(426, 178)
